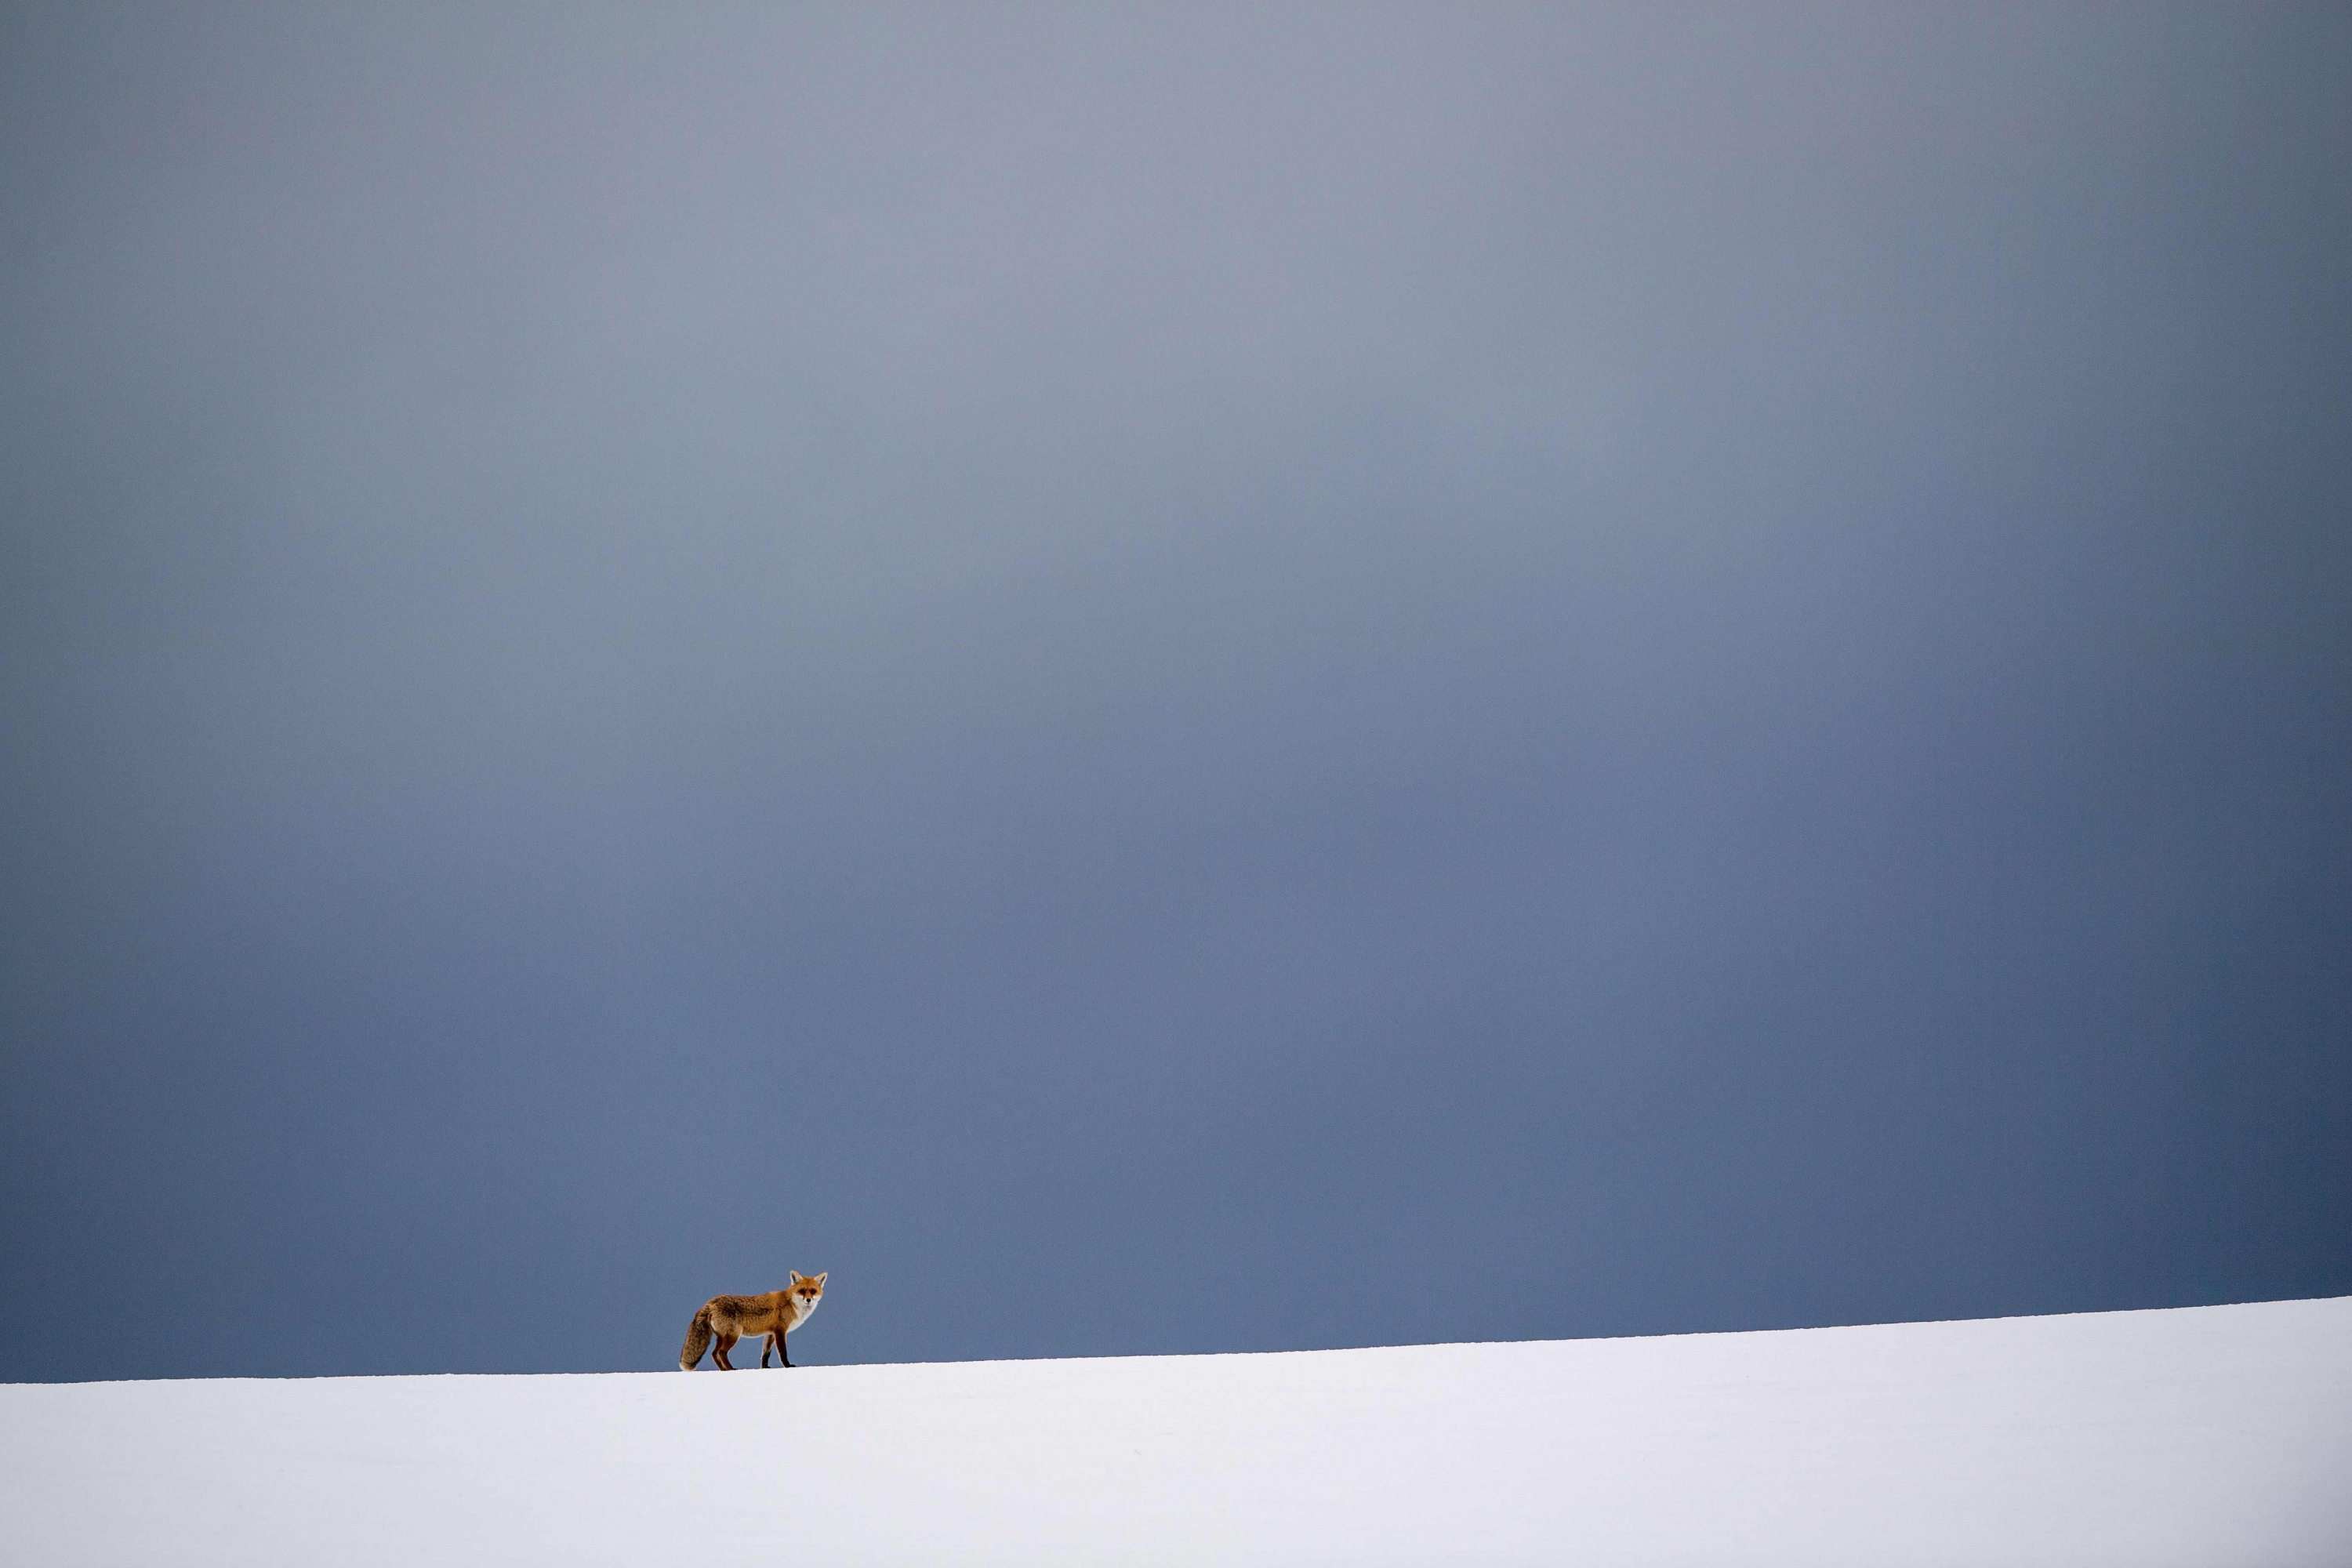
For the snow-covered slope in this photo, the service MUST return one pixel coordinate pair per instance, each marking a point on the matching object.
(2208, 1436)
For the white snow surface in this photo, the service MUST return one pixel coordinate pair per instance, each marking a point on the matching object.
(2209, 1436)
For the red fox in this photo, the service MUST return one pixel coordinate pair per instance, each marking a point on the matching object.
(733, 1318)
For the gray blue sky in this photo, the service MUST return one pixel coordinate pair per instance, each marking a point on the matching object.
(1164, 679)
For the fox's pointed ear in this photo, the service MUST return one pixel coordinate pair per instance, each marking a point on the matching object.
(795, 1274)
(820, 1278)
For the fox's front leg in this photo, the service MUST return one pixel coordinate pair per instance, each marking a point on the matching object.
(769, 1344)
(784, 1345)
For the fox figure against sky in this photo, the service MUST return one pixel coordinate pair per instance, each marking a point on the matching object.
(731, 1318)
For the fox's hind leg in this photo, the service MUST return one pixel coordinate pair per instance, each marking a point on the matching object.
(718, 1353)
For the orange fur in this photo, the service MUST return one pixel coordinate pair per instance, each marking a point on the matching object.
(726, 1319)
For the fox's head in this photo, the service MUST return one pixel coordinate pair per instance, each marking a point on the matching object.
(806, 1291)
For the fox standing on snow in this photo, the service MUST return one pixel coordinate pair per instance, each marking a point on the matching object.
(733, 1318)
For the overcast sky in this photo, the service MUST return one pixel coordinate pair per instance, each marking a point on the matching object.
(1164, 679)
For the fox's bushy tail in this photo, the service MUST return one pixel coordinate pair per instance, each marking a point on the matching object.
(697, 1339)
